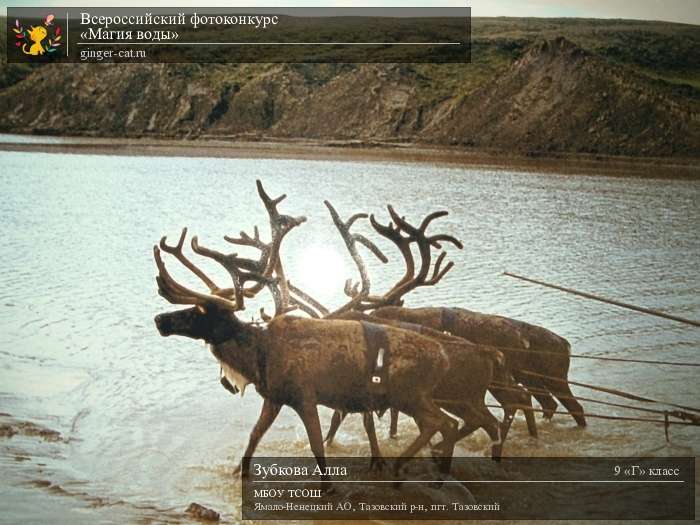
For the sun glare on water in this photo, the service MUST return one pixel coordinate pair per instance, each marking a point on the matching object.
(323, 272)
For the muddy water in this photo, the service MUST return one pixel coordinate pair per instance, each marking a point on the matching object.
(103, 419)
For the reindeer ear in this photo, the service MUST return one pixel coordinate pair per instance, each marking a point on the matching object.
(201, 309)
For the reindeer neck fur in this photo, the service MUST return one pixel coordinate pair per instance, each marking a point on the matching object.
(239, 349)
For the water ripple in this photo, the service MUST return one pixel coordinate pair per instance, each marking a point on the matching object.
(77, 297)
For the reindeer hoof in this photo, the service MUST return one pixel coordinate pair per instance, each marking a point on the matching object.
(496, 453)
(398, 468)
(399, 480)
(376, 464)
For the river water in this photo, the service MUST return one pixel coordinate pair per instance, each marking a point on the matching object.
(115, 423)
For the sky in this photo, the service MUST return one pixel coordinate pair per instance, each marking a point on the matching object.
(685, 11)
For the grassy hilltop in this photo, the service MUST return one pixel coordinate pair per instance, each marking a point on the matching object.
(535, 86)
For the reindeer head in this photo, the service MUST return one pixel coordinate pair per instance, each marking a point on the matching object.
(210, 323)
(211, 316)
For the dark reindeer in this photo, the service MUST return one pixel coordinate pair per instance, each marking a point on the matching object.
(474, 368)
(536, 357)
(302, 362)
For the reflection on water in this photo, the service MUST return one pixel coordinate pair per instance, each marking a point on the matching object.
(145, 427)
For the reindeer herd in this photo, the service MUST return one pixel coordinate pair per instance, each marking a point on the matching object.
(371, 354)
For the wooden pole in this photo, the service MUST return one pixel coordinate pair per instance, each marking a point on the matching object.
(648, 311)
(613, 391)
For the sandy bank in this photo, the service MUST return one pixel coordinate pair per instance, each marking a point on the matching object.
(364, 152)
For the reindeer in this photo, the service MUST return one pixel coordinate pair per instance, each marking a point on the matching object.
(301, 362)
(474, 368)
(537, 358)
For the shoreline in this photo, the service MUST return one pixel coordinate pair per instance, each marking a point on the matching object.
(365, 151)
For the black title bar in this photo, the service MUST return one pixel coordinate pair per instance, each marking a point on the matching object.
(240, 34)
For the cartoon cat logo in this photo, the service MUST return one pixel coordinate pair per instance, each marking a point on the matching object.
(36, 40)
(36, 35)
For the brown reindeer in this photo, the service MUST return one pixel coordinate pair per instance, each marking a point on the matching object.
(537, 358)
(300, 362)
(474, 368)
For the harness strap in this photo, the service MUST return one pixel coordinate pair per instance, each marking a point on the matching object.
(411, 327)
(449, 319)
(378, 357)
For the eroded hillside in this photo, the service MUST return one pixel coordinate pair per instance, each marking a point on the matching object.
(533, 87)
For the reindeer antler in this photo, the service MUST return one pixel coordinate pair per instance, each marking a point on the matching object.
(417, 235)
(175, 293)
(177, 252)
(240, 269)
(306, 303)
(393, 233)
(270, 262)
(255, 242)
(351, 240)
(401, 233)
(268, 271)
(313, 308)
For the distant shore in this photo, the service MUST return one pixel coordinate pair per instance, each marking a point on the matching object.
(362, 151)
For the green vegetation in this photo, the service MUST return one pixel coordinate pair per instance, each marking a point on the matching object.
(590, 86)
(659, 50)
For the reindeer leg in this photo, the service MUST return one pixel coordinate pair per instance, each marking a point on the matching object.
(508, 416)
(448, 430)
(539, 391)
(394, 423)
(308, 413)
(377, 462)
(472, 422)
(563, 393)
(423, 438)
(507, 398)
(430, 420)
(267, 416)
(490, 424)
(529, 415)
(434, 449)
(475, 417)
(336, 420)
